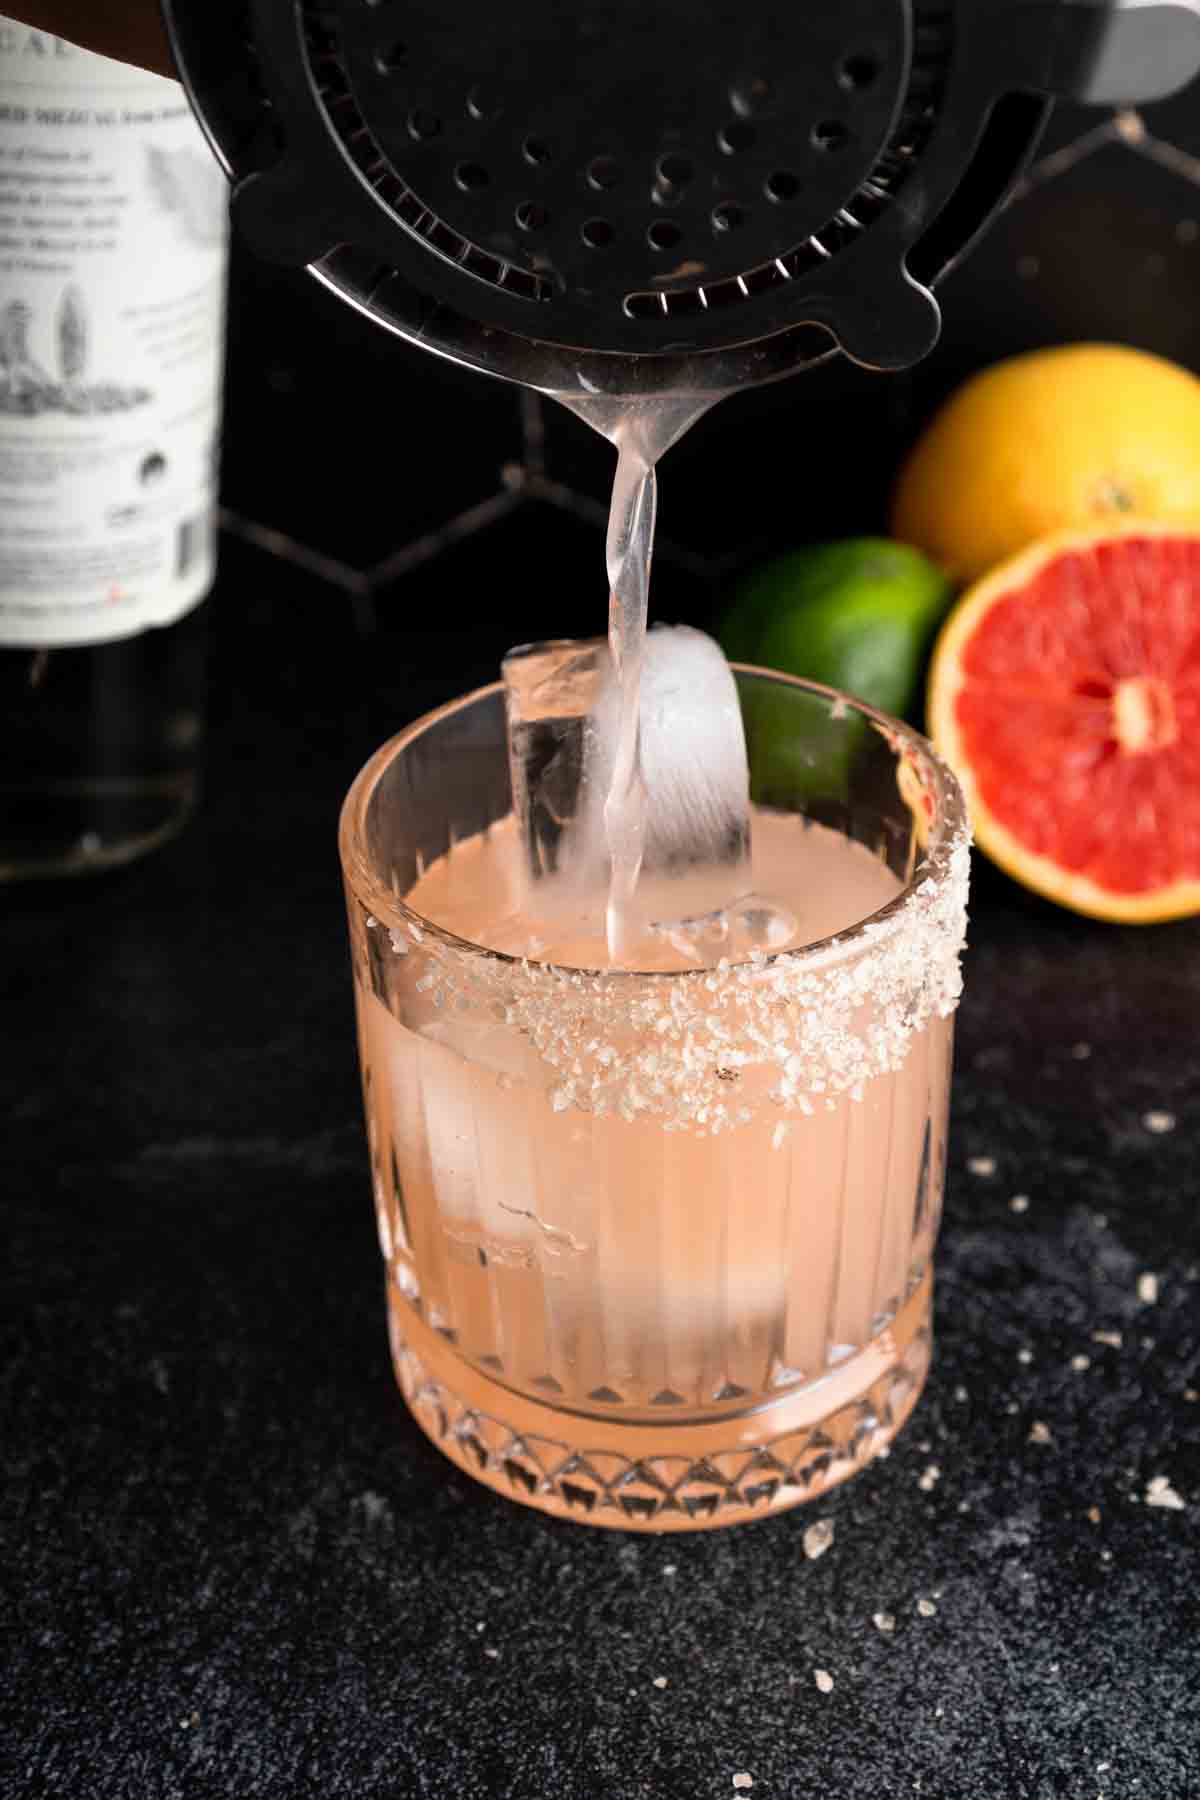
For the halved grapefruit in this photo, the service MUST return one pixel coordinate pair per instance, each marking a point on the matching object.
(1065, 692)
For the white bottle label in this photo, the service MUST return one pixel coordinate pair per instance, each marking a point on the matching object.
(113, 243)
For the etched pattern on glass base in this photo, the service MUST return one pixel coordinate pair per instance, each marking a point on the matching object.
(745, 1466)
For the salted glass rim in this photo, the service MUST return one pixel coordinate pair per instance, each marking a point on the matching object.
(949, 829)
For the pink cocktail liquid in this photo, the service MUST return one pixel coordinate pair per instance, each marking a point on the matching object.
(659, 1244)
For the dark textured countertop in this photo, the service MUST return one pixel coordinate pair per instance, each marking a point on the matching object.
(234, 1567)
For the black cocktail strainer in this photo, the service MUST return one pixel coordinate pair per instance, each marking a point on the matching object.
(619, 197)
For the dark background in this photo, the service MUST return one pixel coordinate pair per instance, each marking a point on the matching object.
(233, 1567)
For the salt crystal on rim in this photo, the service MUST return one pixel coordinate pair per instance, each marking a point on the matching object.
(981, 1165)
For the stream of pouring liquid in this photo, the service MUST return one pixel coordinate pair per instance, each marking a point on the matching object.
(642, 431)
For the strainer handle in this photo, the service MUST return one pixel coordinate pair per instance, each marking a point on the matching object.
(1117, 52)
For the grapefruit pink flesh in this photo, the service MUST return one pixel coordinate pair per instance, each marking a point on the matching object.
(1067, 690)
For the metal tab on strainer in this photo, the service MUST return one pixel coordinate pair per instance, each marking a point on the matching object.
(598, 194)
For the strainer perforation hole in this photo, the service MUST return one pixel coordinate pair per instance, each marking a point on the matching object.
(781, 186)
(470, 176)
(675, 171)
(604, 172)
(727, 217)
(482, 103)
(664, 234)
(747, 97)
(531, 217)
(391, 57)
(597, 234)
(857, 72)
(423, 125)
(537, 151)
(736, 136)
(830, 134)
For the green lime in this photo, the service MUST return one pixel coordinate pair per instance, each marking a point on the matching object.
(858, 615)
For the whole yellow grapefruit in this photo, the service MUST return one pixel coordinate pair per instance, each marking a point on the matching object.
(1082, 436)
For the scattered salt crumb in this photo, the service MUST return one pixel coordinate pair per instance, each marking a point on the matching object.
(1012, 1407)
(669, 1569)
(884, 1621)
(960, 1394)
(780, 1135)
(981, 1165)
(1191, 1394)
(1158, 1122)
(926, 1608)
(964, 1506)
(490, 1650)
(660, 1681)
(1081, 1052)
(930, 1479)
(1112, 1338)
(1024, 1356)
(1106, 1556)
(1080, 1363)
(1101, 1767)
(482, 1625)
(1130, 125)
(1159, 1492)
(818, 1538)
(743, 1781)
(883, 1452)
(1019, 1203)
(1093, 1513)
(824, 1680)
(371, 922)
(1039, 1433)
(1147, 1288)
